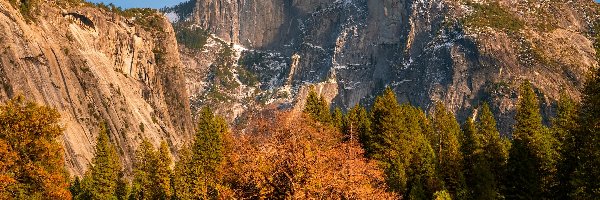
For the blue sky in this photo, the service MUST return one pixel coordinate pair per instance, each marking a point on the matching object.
(140, 3)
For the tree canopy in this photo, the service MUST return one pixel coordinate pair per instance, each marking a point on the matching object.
(31, 158)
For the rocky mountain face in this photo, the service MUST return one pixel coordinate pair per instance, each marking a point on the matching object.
(96, 67)
(459, 52)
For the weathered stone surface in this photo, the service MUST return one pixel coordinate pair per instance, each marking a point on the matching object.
(96, 67)
(427, 51)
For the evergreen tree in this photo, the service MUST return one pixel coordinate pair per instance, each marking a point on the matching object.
(104, 175)
(358, 124)
(495, 149)
(182, 175)
(163, 172)
(386, 126)
(144, 167)
(337, 119)
(31, 158)
(564, 128)
(422, 176)
(123, 190)
(75, 187)
(583, 156)
(445, 141)
(566, 118)
(152, 174)
(470, 144)
(486, 154)
(411, 165)
(316, 107)
(471, 150)
(532, 157)
(399, 141)
(199, 168)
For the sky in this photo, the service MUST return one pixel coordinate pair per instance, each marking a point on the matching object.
(140, 3)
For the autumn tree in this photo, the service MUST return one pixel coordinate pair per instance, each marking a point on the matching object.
(31, 158)
(293, 157)
(532, 158)
(442, 195)
(104, 178)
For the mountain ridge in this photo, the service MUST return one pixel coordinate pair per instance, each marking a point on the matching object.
(458, 52)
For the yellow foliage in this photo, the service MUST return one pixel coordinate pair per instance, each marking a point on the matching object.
(31, 159)
(294, 157)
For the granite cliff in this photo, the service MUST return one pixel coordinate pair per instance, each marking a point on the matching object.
(101, 65)
(459, 52)
(96, 66)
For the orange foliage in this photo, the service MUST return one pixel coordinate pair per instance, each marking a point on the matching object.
(295, 157)
(31, 159)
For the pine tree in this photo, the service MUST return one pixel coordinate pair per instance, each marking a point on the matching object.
(533, 155)
(566, 118)
(358, 124)
(31, 158)
(470, 144)
(445, 141)
(316, 107)
(123, 189)
(75, 187)
(564, 128)
(144, 169)
(386, 126)
(337, 119)
(422, 176)
(486, 154)
(471, 150)
(583, 156)
(495, 148)
(104, 174)
(199, 168)
(163, 173)
(182, 175)
(399, 141)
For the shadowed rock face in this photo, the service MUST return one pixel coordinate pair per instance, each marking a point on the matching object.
(456, 52)
(96, 67)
